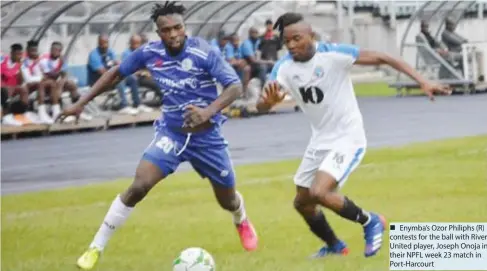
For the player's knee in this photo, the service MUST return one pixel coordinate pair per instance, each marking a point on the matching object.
(23, 91)
(135, 193)
(320, 192)
(229, 202)
(141, 186)
(299, 204)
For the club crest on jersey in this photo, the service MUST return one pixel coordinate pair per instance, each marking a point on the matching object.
(319, 72)
(187, 64)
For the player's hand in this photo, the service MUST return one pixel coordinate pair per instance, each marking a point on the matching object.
(195, 116)
(272, 94)
(431, 89)
(73, 110)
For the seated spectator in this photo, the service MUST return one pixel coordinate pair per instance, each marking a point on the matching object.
(144, 38)
(433, 43)
(454, 43)
(132, 80)
(12, 86)
(100, 60)
(144, 77)
(221, 42)
(234, 56)
(54, 68)
(270, 43)
(259, 67)
(34, 80)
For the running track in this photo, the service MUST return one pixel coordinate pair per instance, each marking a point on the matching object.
(77, 159)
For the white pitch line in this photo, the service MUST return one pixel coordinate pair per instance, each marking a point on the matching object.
(20, 215)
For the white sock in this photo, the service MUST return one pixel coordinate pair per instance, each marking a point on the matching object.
(239, 215)
(41, 109)
(116, 216)
(368, 220)
(56, 110)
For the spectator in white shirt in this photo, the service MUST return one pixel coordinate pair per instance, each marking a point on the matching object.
(33, 79)
(53, 67)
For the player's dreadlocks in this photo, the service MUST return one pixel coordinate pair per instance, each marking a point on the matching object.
(168, 8)
(286, 19)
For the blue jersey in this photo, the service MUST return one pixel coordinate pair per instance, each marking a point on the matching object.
(188, 78)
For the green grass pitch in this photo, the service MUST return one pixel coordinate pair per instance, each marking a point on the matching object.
(444, 181)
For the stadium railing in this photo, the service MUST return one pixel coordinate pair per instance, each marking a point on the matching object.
(446, 71)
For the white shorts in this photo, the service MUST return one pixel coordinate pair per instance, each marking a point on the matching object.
(339, 163)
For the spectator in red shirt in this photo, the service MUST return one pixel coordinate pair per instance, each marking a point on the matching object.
(270, 43)
(12, 85)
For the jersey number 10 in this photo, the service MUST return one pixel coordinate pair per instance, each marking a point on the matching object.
(312, 95)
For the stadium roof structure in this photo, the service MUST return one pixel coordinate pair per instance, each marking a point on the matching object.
(33, 19)
(435, 14)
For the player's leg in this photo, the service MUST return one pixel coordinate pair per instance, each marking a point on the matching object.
(214, 163)
(23, 95)
(332, 174)
(159, 161)
(71, 87)
(133, 84)
(18, 110)
(307, 206)
(52, 87)
(246, 70)
(41, 88)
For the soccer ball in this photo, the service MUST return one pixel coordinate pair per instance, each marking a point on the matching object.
(194, 259)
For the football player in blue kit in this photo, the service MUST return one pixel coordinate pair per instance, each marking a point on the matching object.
(187, 70)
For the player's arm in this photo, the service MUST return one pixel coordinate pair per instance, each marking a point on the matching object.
(115, 75)
(63, 73)
(367, 57)
(349, 55)
(221, 70)
(271, 96)
(374, 58)
(108, 79)
(44, 66)
(29, 77)
(272, 93)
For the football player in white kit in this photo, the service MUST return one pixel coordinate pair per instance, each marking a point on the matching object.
(317, 76)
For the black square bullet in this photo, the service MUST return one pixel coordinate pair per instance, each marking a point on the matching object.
(392, 227)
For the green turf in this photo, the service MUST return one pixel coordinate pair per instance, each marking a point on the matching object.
(373, 89)
(378, 90)
(439, 181)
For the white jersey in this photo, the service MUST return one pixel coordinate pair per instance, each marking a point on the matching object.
(323, 89)
(31, 70)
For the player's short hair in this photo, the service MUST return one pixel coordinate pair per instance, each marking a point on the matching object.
(16, 47)
(32, 43)
(286, 19)
(168, 8)
(58, 43)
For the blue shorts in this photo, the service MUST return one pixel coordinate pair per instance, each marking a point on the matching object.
(169, 149)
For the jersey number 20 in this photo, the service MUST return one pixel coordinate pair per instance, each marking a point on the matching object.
(312, 95)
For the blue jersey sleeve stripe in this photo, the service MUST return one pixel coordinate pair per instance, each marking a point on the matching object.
(346, 49)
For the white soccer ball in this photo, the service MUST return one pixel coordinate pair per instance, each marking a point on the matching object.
(194, 259)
